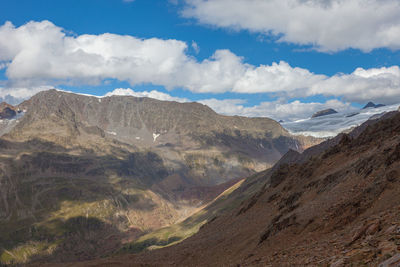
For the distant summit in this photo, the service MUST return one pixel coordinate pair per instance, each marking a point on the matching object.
(372, 105)
(7, 111)
(324, 112)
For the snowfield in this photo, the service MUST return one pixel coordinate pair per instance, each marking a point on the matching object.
(331, 125)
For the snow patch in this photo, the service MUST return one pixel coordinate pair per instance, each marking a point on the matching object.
(155, 136)
(112, 133)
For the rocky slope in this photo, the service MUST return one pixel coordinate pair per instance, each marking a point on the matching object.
(80, 176)
(337, 204)
(7, 113)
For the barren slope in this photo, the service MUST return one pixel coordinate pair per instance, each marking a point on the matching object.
(340, 206)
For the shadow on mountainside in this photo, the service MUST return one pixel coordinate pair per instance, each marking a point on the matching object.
(45, 188)
(78, 238)
(49, 198)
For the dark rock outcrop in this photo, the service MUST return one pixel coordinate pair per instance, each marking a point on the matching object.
(7, 111)
(324, 112)
(372, 105)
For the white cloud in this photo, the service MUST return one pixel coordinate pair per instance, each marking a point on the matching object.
(152, 94)
(195, 47)
(279, 77)
(40, 53)
(327, 25)
(377, 84)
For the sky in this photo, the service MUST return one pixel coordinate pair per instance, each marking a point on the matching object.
(284, 59)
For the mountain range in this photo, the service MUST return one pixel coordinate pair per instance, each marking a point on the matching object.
(81, 175)
(335, 204)
(122, 180)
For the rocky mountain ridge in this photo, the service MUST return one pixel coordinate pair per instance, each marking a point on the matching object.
(75, 168)
(372, 105)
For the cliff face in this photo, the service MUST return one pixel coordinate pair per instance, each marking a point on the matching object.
(125, 165)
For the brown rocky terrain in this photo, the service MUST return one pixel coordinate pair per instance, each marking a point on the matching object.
(337, 204)
(7, 111)
(81, 176)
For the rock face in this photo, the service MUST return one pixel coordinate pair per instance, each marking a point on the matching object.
(8, 117)
(336, 204)
(7, 111)
(372, 105)
(76, 169)
(324, 113)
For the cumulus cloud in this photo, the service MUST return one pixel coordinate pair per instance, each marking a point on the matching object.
(378, 84)
(327, 25)
(151, 94)
(40, 53)
(278, 77)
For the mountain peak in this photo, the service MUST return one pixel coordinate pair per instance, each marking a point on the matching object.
(7, 111)
(324, 112)
(372, 105)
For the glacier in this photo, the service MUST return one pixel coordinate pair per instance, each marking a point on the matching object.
(331, 125)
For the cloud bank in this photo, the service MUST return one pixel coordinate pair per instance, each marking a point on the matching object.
(326, 25)
(41, 53)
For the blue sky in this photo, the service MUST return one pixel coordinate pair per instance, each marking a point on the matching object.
(269, 65)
